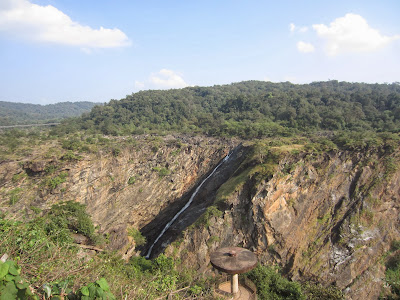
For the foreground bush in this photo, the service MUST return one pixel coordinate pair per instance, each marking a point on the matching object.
(272, 286)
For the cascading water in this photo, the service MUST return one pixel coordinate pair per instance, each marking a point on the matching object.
(185, 207)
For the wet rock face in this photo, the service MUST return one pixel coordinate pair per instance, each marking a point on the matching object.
(328, 217)
(206, 187)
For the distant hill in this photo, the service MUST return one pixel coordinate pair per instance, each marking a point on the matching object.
(23, 113)
(250, 109)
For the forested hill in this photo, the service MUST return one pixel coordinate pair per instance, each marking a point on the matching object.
(251, 109)
(23, 113)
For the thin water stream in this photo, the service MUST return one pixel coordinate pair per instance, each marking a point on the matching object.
(185, 207)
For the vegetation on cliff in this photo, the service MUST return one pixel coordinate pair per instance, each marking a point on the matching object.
(48, 264)
(392, 262)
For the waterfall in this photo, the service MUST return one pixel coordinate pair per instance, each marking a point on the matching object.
(185, 207)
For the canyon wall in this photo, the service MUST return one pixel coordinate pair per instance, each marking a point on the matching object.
(326, 216)
(122, 190)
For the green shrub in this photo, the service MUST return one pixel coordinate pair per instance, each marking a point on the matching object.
(211, 211)
(103, 140)
(57, 289)
(162, 172)
(395, 245)
(272, 286)
(212, 239)
(35, 209)
(140, 263)
(68, 216)
(52, 183)
(195, 290)
(163, 264)
(90, 140)
(96, 290)
(70, 156)
(12, 285)
(56, 228)
(393, 275)
(72, 144)
(50, 169)
(137, 236)
(165, 283)
(390, 165)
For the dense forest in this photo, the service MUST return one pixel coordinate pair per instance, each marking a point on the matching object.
(23, 113)
(250, 109)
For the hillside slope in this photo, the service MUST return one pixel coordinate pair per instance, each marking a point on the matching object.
(250, 109)
(12, 113)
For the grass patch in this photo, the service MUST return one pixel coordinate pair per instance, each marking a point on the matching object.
(14, 195)
(132, 180)
(162, 172)
(18, 177)
(212, 240)
(325, 219)
(232, 185)
(52, 183)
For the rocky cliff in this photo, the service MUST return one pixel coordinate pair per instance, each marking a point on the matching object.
(324, 216)
(327, 217)
(126, 187)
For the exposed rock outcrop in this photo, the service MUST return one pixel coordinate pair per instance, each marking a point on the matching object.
(127, 189)
(328, 217)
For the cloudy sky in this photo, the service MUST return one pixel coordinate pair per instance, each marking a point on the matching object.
(97, 50)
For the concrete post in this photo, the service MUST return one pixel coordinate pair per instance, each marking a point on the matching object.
(235, 284)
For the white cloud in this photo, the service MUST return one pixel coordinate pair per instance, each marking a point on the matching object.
(167, 79)
(24, 19)
(351, 34)
(294, 28)
(305, 47)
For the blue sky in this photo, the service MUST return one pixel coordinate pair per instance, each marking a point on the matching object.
(96, 50)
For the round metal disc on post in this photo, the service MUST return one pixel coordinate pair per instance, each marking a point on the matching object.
(234, 261)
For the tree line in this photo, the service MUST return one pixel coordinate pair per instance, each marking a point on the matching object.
(24, 113)
(249, 109)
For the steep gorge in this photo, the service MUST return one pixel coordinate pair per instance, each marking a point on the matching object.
(327, 217)
(127, 190)
(324, 216)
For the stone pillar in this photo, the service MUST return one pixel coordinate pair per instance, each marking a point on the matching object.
(235, 284)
